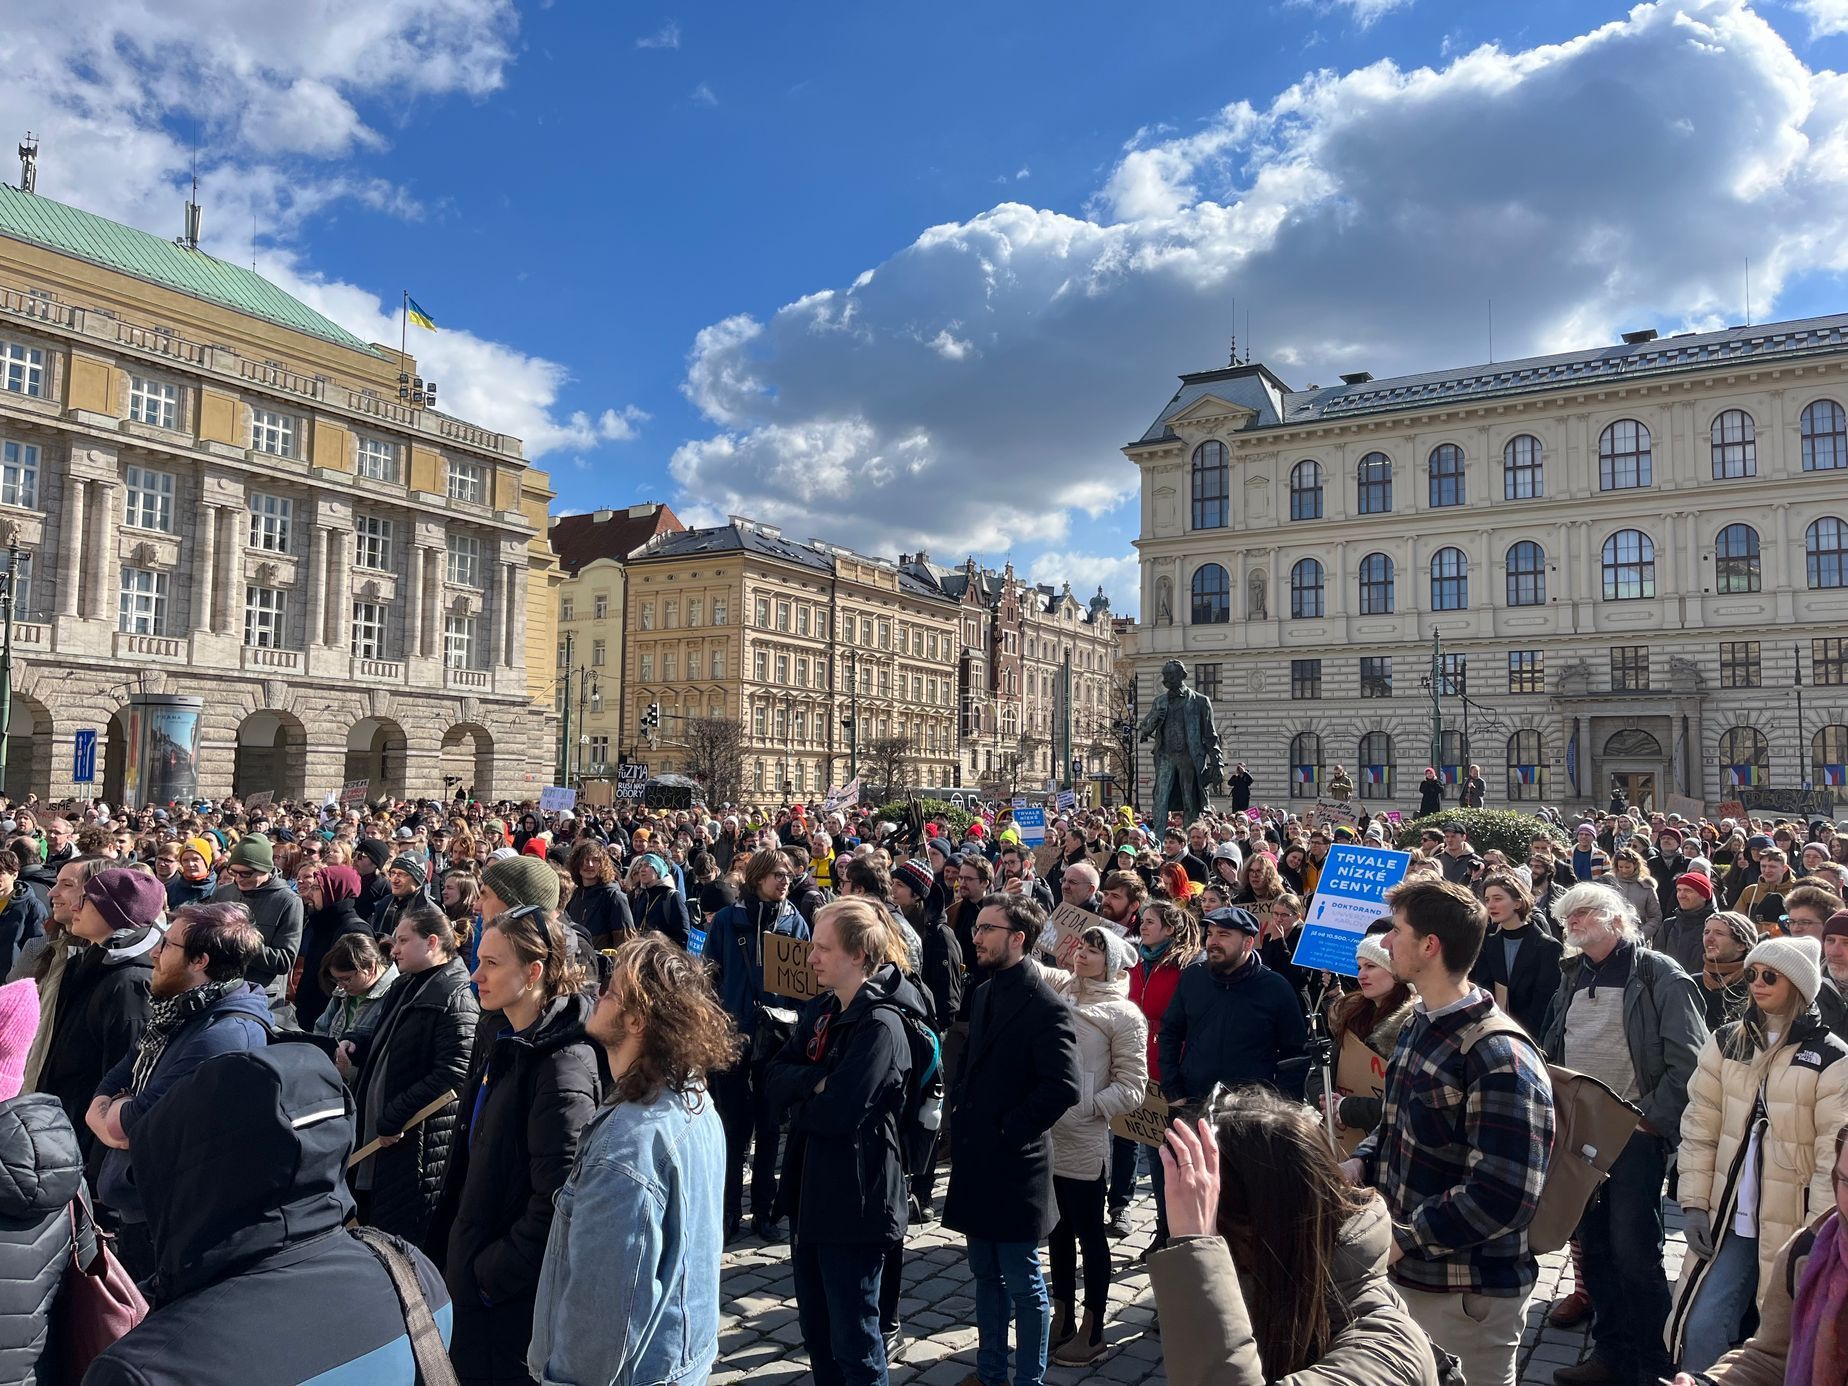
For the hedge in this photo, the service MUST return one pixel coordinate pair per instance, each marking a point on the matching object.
(1499, 828)
(958, 819)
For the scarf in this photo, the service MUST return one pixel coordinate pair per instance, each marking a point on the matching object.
(1721, 976)
(165, 1016)
(1819, 1317)
(1155, 954)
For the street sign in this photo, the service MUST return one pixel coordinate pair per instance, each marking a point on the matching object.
(83, 756)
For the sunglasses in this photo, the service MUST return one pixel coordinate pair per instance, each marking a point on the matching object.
(1769, 976)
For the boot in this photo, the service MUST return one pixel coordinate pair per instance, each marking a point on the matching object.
(1063, 1323)
(1570, 1310)
(1086, 1347)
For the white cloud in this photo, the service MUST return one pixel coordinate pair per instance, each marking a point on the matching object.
(1825, 16)
(1120, 577)
(703, 95)
(1364, 13)
(1364, 217)
(667, 36)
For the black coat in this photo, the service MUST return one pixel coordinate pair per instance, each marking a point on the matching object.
(942, 972)
(1430, 797)
(495, 1213)
(40, 1173)
(1533, 981)
(1019, 1075)
(21, 921)
(319, 930)
(1241, 791)
(602, 912)
(102, 1008)
(419, 1049)
(661, 908)
(844, 1168)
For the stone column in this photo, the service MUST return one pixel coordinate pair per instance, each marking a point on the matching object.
(339, 598)
(506, 614)
(230, 570)
(102, 525)
(316, 631)
(205, 549)
(70, 555)
(413, 603)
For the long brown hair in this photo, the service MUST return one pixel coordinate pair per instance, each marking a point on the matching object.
(537, 938)
(686, 1033)
(1282, 1205)
(1185, 944)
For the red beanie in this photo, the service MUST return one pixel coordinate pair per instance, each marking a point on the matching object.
(1696, 882)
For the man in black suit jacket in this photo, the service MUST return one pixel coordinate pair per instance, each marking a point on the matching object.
(1018, 1076)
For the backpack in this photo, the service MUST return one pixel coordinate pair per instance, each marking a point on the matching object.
(1591, 1126)
(922, 1113)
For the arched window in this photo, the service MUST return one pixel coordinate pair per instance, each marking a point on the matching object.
(1305, 765)
(1735, 560)
(1306, 490)
(1629, 566)
(1829, 758)
(1212, 596)
(1632, 743)
(1745, 758)
(1526, 768)
(1305, 590)
(1375, 477)
(1624, 459)
(1522, 460)
(1210, 508)
(1825, 553)
(1376, 766)
(1824, 435)
(1735, 445)
(1376, 585)
(1452, 756)
(1526, 574)
(1446, 468)
(1449, 580)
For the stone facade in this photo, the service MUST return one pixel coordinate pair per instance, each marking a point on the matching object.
(1631, 559)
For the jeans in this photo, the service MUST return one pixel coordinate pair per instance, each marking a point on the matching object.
(1123, 1157)
(1158, 1183)
(1008, 1286)
(750, 1126)
(1081, 1228)
(837, 1304)
(1620, 1245)
(1719, 1306)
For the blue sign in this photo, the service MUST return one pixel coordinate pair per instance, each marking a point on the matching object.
(83, 756)
(1349, 895)
(1031, 821)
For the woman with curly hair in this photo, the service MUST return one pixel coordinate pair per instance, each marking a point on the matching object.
(1259, 881)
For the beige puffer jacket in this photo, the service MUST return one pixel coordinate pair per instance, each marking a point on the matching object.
(1113, 1070)
(1806, 1096)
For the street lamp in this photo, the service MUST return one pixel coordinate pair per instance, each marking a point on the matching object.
(6, 651)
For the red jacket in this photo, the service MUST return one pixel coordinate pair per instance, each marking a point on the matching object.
(1152, 988)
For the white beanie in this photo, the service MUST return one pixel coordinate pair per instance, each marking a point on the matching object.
(1799, 959)
(1372, 948)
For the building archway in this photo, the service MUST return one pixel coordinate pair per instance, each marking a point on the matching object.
(375, 752)
(467, 761)
(272, 755)
(28, 749)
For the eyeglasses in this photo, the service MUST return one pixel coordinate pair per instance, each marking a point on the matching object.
(1770, 976)
(995, 928)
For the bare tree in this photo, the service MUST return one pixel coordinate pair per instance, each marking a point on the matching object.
(1101, 736)
(714, 749)
(886, 762)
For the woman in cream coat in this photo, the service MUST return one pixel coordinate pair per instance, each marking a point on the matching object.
(1757, 1146)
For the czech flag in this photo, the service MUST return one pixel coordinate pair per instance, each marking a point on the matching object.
(1376, 774)
(1835, 774)
(1305, 774)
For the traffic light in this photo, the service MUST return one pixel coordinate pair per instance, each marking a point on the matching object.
(651, 719)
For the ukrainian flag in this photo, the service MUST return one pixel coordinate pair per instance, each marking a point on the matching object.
(418, 317)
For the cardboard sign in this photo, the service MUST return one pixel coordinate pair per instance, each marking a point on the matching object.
(1337, 813)
(1730, 808)
(1359, 1072)
(354, 792)
(1066, 921)
(1032, 824)
(1067, 800)
(1686, 807)
(786, 967)
(1350, 894)
(557, 799)
(631, 780)
(1148, 1124)
(263, 798)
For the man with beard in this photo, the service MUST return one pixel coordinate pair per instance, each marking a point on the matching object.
(1835, 951)
(250, 880)
(1546, 889)
(1807, 911)
(1013, 865)
(1671, 861)
(1725, 940)
(1233, 1021)
(1121, 902)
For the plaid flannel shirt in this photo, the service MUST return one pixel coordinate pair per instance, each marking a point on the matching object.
(1461, 1152)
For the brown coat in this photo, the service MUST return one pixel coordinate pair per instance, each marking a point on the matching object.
(1761, 1359)
(1206, 1335)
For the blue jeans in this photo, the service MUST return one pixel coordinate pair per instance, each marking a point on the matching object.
(837, 1304)
(1719, 1306)
(1009, 1286)
(1123, 1156)
(1620, 1251)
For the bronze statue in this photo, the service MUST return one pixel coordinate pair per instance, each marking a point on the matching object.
(1187, 764)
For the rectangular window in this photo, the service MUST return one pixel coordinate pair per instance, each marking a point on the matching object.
(647, 615)
(670, 615)
(1206, 679)
(22, 369)
(599, 653)
(758, 719)
(885, 635)
(760, 666)
(1629, 668)
(1305, 678)
(802, 671)
(153, 402)
(1739, 667)
(149, 501)
(647, 674)
(802, 620)
(599, 750)
(720, 611)
(467, 482)
(567, 610)
(378, 459)
(669, 666)
(694, 610)
(372, 546)
(143, 609)
(1525, 672)
(718, 664)
(782, 669)
(459, 642)
(1376, 676)
(273, 432)
(1453, 673)
(369, 631)
(763, 613)
(19, 471)
(600, 606)
(1829, 661)
(464, 560)
(263, 615)
(269, 522)
(782, 615)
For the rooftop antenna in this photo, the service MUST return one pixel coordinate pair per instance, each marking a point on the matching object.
(1234, 360)
(28, 163)
(190, 238)
(1247, 336)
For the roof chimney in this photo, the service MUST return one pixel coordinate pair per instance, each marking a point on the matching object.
(1637, 338)
(28, 163)
(1356, 377)
(602, 517)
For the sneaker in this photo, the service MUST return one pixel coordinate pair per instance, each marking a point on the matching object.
(894, 1340)
(1118, 1226)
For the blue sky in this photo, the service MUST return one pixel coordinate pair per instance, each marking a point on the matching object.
(904, 278)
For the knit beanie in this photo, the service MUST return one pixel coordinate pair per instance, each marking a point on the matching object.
(1799, 959)
(253, 852)
(1119, 953)
(1837, 926)
(917, 878)
(654, 861)
(1372, 948)
(411, 867)
(940, 847)
(19, 1017)
(523, 881)
(1694, 881)
(1743, 930)
(126, 899)
(203, 846)
(376, 852)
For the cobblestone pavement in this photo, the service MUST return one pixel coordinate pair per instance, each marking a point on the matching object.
(760, 1341)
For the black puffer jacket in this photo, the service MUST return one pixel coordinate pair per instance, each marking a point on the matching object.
(40, 1173)
(419, 1049)
(601, 911)
(102, 1008)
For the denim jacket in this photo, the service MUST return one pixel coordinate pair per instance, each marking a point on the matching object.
(649, 1180)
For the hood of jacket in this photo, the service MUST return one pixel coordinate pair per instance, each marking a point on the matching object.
(333, 920)
(249, 999)
(40, 1165)
(435, 986)
(560, 1023)
(887, 987)
(125, 951)
(242, 1159)
(1361, 1249)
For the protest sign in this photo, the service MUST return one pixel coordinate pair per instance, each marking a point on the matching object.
(1730, 808)
(1350, 895)
(631, 780)
(263, 798)
(1148, 1124)
(1689, 809)
(1066, 921)
(1032, 824)
(1394, 817)
(1359, 1072)
(838, 799)
(557, 799)
(354, 792)
(786, 967)
(1336, 813)
(1067, 801)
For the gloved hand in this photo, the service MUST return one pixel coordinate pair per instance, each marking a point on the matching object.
(1699, 1229)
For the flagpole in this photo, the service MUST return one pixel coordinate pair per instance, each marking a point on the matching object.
(404, 329)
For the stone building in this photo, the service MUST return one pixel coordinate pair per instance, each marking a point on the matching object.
(217, 492)
(1633, 560)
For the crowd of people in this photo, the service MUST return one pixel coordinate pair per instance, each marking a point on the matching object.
(516, 1066)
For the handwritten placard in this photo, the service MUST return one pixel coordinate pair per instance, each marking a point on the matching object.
(786, 967)
(1148, 1124)
(1359, 1072)
(1066, 921)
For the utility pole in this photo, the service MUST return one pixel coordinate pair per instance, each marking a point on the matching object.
(584, 677)
(853, 714)
(1796, 654)
(564, 750)
(7, 580)
(1065, 705)
(1437, 707)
